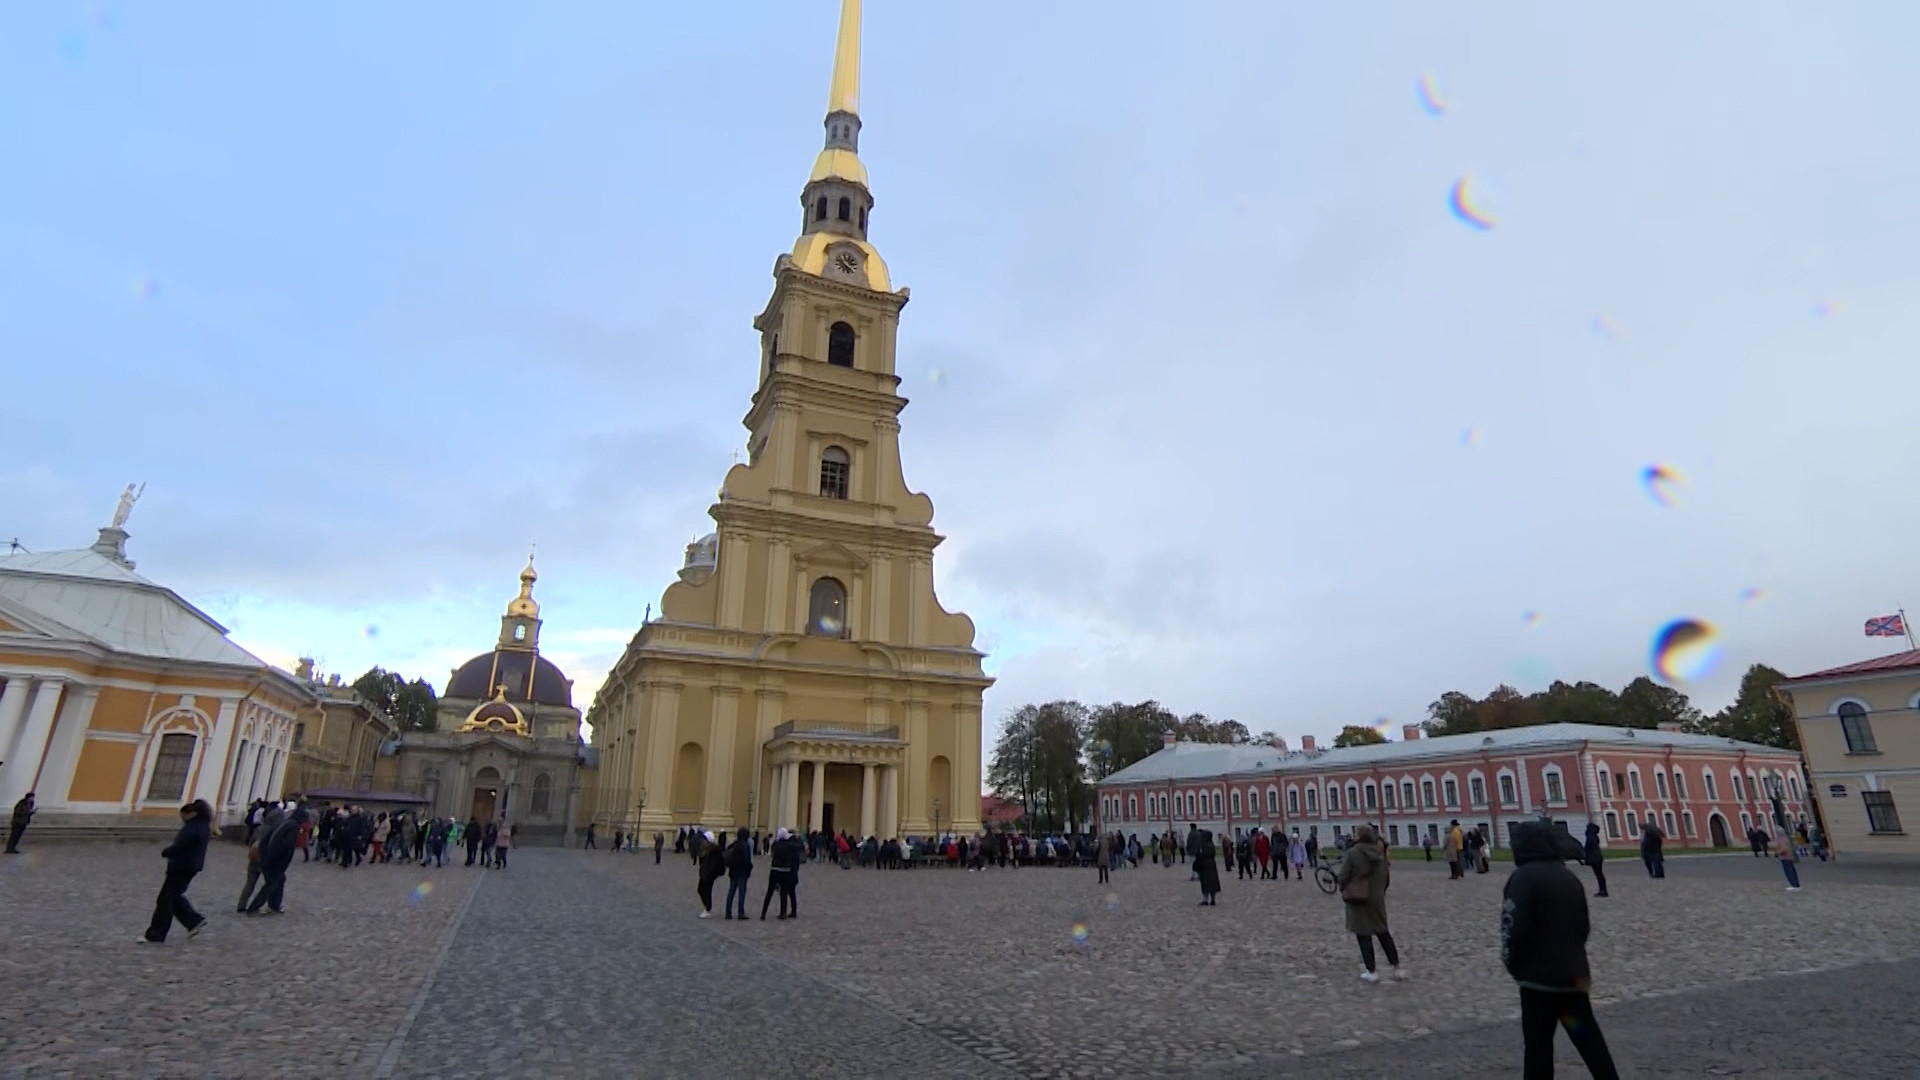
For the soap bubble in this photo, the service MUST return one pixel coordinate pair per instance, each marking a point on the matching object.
(370, 631)
(1530, 619)
(937, 376)
(422, 891)
(1430, 98)
(1663, 483)
(1466, 204)
(144, 287)
(1113, 903)
(1470, 437)
(1686, 650)
(1752, 594)
(831, 624)
(1080, 932)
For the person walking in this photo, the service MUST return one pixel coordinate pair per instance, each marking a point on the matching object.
(1105, 858)
(1450, 850)
(783, 866)
(277, 845)
(1543, 943)
(659, 842)
(1364, 877)
(739, 870)
(590, 845)
(186, 856)
(1596, 855)
(1783, 848)
(270, 820)
(22, 814)
(713, 867)
(1652, 842)
(471, 835)
(502, 843)
(1200, 847)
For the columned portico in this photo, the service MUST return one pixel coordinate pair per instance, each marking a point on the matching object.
(824, 757)
(23, 764)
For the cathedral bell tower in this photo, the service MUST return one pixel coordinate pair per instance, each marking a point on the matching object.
(802, 673)
(520, 626)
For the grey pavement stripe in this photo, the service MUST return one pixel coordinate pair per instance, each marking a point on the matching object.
(390, 1060)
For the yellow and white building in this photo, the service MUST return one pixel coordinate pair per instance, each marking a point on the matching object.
(1859, 730)
(119, 700)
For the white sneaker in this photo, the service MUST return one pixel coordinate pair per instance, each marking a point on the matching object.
(1793, 888)
(1400, 974)
(704, 914)
(1369, 977)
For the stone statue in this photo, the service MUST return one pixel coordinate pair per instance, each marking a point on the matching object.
(127, 499)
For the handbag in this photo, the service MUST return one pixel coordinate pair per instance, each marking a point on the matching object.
(1357, 891)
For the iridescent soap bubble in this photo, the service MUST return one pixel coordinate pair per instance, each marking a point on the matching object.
(1430, 98)
(1470, 437)
(1080, 932)
(145, 287)
(370, 631)
(422, 891)
(1602, 327)
(1663, 483)
(1530, 619)
(831, 624)
(1113, 903)
(1685, 650)
(1464, 200)
(937, 376)
(1752, 594)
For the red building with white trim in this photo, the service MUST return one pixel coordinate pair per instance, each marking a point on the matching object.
(1702, 790)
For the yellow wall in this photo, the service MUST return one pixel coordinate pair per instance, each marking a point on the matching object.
(1894, 767)
(101, 775)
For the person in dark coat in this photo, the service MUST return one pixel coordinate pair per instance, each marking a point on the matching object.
(1201, 848)
(22, 813)
(713, 867)
(739, 860)
(1366, 861)
(470, 835)
(659, 842)
(783, 873)
(276, 857)
(1595, 854)
(256, 838)
(1543, 943)
(1652, 841)
(186, 856)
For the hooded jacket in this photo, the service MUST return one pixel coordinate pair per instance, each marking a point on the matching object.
(277, 848)
(1543, 916)
(188, 852)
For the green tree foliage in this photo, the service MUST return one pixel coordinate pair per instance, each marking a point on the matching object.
(1757, 713)
(1037, 760)
(410, 705)
(1642, 703)
(1357, 735)
(1646, 704)
(1120, 734)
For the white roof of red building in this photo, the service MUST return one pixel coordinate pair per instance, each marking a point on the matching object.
(1205, 761)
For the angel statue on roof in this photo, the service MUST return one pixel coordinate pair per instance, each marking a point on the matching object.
(127, 499)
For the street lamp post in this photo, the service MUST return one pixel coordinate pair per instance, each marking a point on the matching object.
(639, 815)
(936, 819)
(750, 825)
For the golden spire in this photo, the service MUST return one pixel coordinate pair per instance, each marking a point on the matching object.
(524, 603)
(845, 95)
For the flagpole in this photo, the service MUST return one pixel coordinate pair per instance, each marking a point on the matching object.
(1908, 627)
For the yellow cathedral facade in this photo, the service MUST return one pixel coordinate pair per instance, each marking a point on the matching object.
(802, 672)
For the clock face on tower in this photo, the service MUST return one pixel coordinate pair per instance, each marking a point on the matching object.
(846, 263)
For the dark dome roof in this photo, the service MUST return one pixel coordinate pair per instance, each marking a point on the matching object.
(528, 677)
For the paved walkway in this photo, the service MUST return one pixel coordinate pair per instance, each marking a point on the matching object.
(583, 964)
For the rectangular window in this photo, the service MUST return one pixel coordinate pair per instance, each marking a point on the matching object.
(299, 735)
(1633, 823)
(240, 755)
(1508, 795)
(833, 481)
(1619, 785)
(1313, 800)
(1293, 800)
(1453, 792)
(1273, 801)
(1739, 793)
(1713, 790)
(1660, 783)
(1236, 804)
(1634, 779)
(1406, 794)
(1426, 793)
(1216, 804)
(1686, 818)
(1613, 826)
(1680, 785)
(1667, 816)
(1478, 787)
(1373, 797)
(1555, 792)
(1881, 815)
(1386, 796)
(170, 765)
(1333, 800)
(1393, 833)
(1858, 730)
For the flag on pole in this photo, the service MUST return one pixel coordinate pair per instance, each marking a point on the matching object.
(1887, 626)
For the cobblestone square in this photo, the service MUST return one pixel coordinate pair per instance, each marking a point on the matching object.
(594, 964)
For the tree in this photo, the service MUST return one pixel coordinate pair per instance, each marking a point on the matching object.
(1454, 714)
(1646, 704)
(1504, 708)
(410, 705)
(1757, 713)
(1357, 735)
(1037, 759)
(1578, 703)
(1119, 735)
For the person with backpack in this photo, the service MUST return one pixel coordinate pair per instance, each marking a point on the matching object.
(1364, 877)
(1543, 943)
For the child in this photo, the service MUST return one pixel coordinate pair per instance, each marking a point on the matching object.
(1543, 942)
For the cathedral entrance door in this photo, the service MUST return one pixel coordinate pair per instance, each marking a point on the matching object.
(484, 800)
(826, 818)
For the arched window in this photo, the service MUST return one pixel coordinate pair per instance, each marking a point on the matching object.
(1606, 783)
(171, 763)
(820, 208)
(1713, 790)
(840, 340)
(1386, 794)
(1426, 794)
(542, 795)
(863, 219)
(1236, 802)
(519, 633)
(1739, 793)
(1857, 728)
(835, 468)
(1406, 794)
(846, 208)
(1660, 783)
(1633, 781)
(827, 609)
(1556, 787)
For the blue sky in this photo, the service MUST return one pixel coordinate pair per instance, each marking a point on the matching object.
(372, 297)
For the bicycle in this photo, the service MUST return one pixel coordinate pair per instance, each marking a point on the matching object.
(1324, 876)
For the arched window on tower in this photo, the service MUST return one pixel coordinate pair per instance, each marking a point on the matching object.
(846, 208)
(542, 795)
(836, 469)
(827, 609)
(840, 339)
(820, 208)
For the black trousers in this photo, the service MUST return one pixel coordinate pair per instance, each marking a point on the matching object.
(172, 904)
(1103, 872)
(273, 889)
(1600, 878)
(1540, 1012)
(781, 885)
(1386, 946)
(14, 831)
(706, 892)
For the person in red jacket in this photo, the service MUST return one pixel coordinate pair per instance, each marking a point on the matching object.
(1262, 849)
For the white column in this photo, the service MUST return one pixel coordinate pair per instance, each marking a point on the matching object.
(215, 755)
(13, 705)
(17, 775)
(815, 816)
(790, 795)
(275, 786)
(235, 787)
(63, 754)
(869, 797)
(890, 803)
